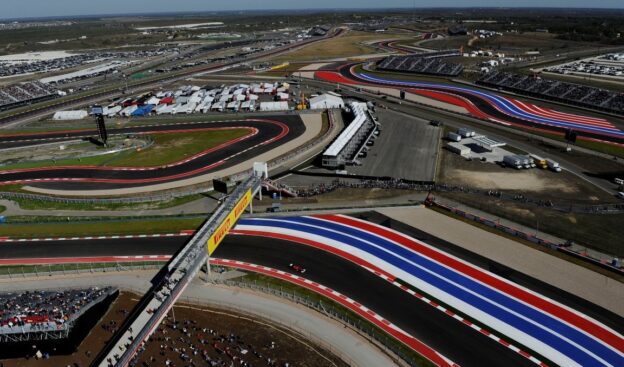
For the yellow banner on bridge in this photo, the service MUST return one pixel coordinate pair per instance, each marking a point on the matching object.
(228, 223)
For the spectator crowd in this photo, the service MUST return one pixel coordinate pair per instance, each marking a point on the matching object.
(185, 342)
(324, 188)
(33, 311)
(17, 94)
(426, 63)
(575, 94)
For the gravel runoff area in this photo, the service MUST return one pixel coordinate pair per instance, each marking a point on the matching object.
(598, 289)
(313, 124)
(343, 341)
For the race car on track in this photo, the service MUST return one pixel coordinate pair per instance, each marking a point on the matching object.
(297, 268)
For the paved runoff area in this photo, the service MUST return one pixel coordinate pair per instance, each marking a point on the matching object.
(313, 125)
(406, 148)
(596, 288)
(351, 345)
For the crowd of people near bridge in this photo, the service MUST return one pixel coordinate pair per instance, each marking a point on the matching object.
(185, 342)
(398, 184)
(32, 311)
(537, 86)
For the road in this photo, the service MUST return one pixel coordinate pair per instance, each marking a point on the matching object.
(35, 111)
(499, 132)
(265, 134)
(433, 327)
(490, 106)
(439, 331)
(406, 148)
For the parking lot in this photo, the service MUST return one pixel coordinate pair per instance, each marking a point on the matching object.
(406, 148)
(478, 152)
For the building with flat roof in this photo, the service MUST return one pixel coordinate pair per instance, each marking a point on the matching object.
(325, 101)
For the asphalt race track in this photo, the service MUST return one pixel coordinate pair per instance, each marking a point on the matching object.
(558, 333)
(437, 330)
(488, 105)
(460, 343)
(266, 133)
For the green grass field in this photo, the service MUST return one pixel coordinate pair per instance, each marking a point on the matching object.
(169, 148)
(15, 271)
(602, 232)
(108, 227)
(554, 253)
(49, 205)
(166, 149)
(348, 45)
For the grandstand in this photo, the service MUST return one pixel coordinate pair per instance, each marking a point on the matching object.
(344, 149)
(20, 94)
(570, 93)
(423, 63)
(41, 315)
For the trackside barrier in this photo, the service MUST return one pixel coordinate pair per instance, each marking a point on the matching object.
(171, 195)
(327, 309)
(526, 132)
(530, 237)
(118, 200)
(275, 163)
(168, 285)
(373, 334)
(431, 186)
(49, 270)
(263, 317)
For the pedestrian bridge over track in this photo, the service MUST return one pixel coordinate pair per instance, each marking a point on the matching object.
(171, 281)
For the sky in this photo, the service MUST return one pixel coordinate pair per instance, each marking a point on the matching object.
(49, 8)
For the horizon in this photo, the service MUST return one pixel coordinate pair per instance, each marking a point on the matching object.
(553, 5)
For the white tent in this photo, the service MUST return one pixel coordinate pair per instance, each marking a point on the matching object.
(128, 110)
(274, 106)
(219, 106)
(153, 101)
(205, 107)
(112, 111)
(189, 107)
(326, 101)
(70, 115)
(164, 109)
(248, 105)
(234, 105)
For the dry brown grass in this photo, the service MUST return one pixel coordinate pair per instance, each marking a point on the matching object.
(347, 45)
